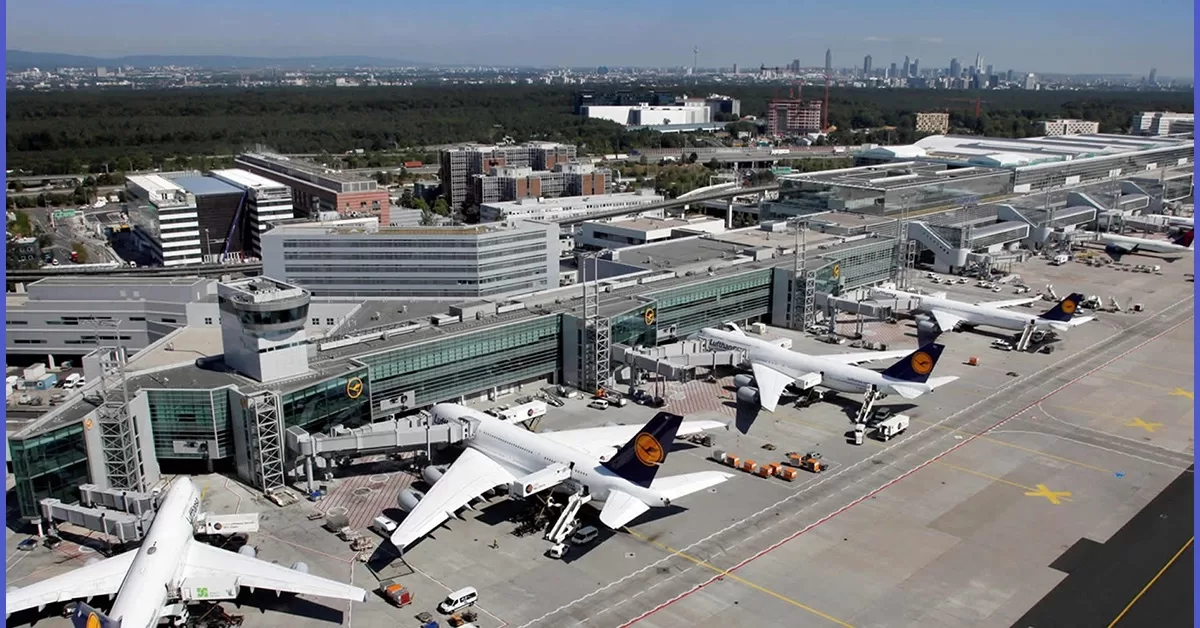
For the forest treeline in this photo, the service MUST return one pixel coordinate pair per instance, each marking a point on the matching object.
(69, 132)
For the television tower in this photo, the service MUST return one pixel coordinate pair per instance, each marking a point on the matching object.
(695, 57)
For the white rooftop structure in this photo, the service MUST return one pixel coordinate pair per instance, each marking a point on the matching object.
(157, 189)
(245, 179)
(555, 209)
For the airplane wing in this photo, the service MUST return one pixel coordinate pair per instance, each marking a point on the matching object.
(771, 384)
(205, 561)
(468, 478)
(945, 320)
(99, 579)
(676, 486)
(1009, 303)
(599, 441)
(865, 356)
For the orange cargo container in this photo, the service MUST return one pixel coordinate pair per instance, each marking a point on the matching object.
(787, 474)
(766, 471)
(733, 461)
(749, 466)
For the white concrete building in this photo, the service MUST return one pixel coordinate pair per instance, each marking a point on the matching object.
(1069, 127)
(262, 327)
(172, 236)
(266, 201)
(358, 258)
(619, 234)
(646, 114)
(555, 209)
(1163, 123)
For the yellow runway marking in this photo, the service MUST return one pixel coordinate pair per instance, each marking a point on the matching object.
(1149, 427)
(1175, 392)
(739, 579)
(1053, 496)
(1152, 581)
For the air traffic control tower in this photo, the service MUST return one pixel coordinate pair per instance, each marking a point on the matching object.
(262, 327)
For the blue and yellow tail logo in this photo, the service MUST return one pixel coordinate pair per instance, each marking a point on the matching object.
(921, 363)
(93, 620)
(1068, 306)
(648, 450)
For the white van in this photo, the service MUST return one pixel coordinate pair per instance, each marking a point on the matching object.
(584, 535)
(384, 526)
(459, 599)
(73, 380)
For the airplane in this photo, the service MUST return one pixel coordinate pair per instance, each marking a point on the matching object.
(1181, 221)
(149, 581)
(616, 465)
(775, 368)
(950, 315)
(1118, 246)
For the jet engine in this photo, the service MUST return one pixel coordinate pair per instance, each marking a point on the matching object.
(248, 551)
(743, 380)
(432, 474)
(747, 394)
(409, 498)
(927, 326)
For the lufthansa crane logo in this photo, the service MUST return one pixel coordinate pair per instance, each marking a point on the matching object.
(1068, 306)
(87, 425)
(648, 316)
(648, 450)
(837, 271)
(922, 363)
(93, 621)
(354, 388)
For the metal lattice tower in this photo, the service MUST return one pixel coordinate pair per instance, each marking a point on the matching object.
(597, 331)
(118, 429)
(264, 424)
(802, 284)
(910, 262)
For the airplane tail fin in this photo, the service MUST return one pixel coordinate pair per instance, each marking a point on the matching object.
(87, 617)
(1065, 309)
(1185, 238)
(639, 459)
(916, 366)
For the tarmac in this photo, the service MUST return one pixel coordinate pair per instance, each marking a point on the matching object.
(973, 516)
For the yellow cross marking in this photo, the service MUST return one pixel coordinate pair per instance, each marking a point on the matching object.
(1053, 496)
(1149, 427)
(1179, 392)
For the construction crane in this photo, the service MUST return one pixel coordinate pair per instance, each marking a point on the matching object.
(977, 100)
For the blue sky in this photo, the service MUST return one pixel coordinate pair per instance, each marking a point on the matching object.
(1062, 36)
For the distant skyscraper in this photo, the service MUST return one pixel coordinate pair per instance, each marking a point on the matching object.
(828, 62)
(915, 69)
(892, 71)
(867, 65)
(990, 70)
(955, 68)
(978, 63)
(907, 66)
(1154, 76)
(1008, 76)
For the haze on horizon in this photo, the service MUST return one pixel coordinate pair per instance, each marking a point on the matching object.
(1071, 36)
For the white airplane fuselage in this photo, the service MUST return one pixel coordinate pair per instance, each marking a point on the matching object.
(1144, 244)
(972, 314)
(154, 574)
(516, 447)
(846, 378)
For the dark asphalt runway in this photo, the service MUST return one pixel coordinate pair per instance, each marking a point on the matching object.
(1105, 580)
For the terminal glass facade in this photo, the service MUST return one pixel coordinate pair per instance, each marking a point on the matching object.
(691, 308)
(52, 464)
(183, 420)
(1036, 178)
(636, 327)
(329, 403)
(445, 369)
(860, 266)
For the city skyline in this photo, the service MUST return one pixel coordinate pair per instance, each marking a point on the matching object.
(664, 35)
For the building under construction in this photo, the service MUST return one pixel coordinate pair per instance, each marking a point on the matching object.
(794, 116)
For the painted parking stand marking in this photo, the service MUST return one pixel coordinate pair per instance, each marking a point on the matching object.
(1179, 392)
(1055, 497)
(1149, 427)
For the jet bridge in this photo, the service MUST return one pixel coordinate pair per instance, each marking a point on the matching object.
(123, 515)
(677, 361)
(399, 434)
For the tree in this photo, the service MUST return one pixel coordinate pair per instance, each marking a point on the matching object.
(441, 207)
(692, 158)
(406, 198)
(427, 217)
(713, 164)
(420, 204)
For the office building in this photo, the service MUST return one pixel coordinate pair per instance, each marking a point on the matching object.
(915, 69)
(1163, 123)
(1030, 81)
(358, 258)
(502, 184)
(555, 209)
(317, 189)
(644, 114)
(638, 231)
(185, 218)
(892, 71)
(933, 122)
(265, 202)
(1069, 127)
(22, 252)
(955, 68)
(1153, 79)
(905, 69)
(867, 65)
(459, 165)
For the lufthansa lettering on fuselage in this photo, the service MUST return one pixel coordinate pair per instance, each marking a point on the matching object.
(191, 515)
